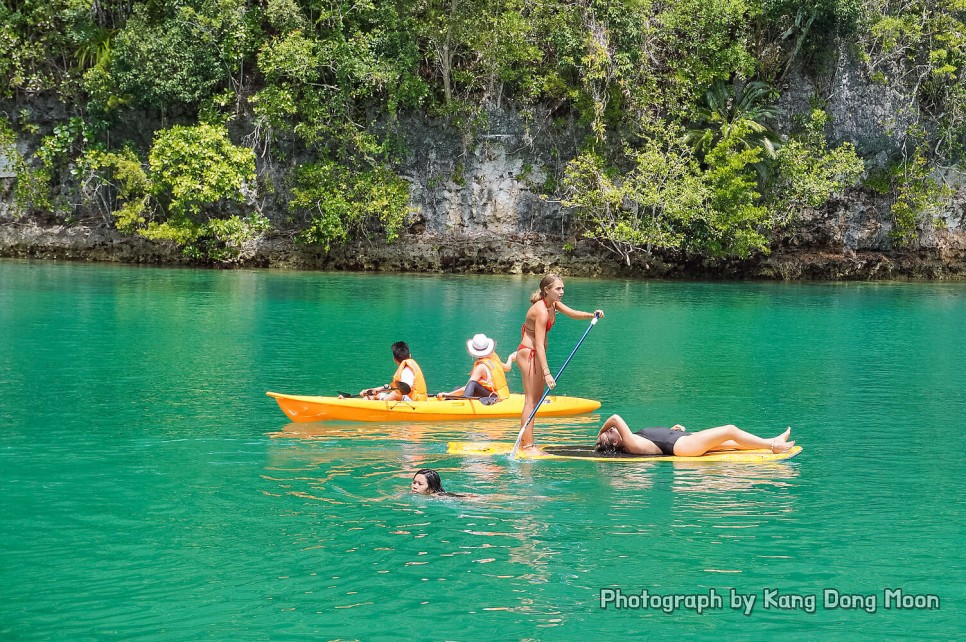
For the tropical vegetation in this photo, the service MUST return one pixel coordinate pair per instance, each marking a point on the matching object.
(190, 120)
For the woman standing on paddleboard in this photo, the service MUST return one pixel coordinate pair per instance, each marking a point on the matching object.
(532, 351)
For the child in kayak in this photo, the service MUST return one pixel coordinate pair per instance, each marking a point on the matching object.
(407, 372)
(488, 376)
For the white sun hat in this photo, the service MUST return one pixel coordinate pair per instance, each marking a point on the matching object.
(480, 345)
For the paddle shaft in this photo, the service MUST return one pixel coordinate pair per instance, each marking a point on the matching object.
(546, 391)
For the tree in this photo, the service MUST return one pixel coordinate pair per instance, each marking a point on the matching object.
(661, 198)
(736, 113)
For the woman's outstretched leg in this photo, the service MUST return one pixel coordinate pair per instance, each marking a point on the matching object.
(698, 443)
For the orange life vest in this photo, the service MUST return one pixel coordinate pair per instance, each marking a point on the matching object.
(419, 383)
(496, 381)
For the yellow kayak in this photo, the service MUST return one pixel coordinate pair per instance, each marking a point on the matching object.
(301, 408)
(486, 448)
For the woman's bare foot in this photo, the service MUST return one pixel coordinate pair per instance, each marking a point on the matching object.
(781, 446)
(780, 443)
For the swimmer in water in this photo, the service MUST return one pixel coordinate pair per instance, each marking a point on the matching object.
(427, 482)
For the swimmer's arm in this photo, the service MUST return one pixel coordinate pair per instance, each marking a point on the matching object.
(679, 427)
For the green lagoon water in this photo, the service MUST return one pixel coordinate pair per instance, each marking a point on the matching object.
(149, 490)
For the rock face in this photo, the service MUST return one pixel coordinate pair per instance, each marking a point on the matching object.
(491, 254)
(480, 185)
(476, 209)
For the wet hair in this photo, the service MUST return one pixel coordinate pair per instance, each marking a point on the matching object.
(432, 480)
(605, 448)
(545, 283)
(400, 351)
(608, 448)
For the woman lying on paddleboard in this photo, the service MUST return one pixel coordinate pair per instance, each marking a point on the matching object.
(616, 436)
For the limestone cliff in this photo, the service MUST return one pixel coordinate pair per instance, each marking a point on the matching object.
(476, 208)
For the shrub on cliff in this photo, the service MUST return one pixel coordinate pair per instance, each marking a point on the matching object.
(193, 176)
(341, 204)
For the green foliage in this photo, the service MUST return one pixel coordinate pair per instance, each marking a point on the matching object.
(330, 81)
(23, 196)
(342, 203)
(39, 39)
(789, 32)
(8, 138)
(663, 199)
(48, 166)
(648, 208)
(63, 143)
(808, 173)
(221, 239)
(117, 185)
(736, 219)
(285, 15)
(322, 84)
(195, 167)
(917, 197)
(737, 115)
(217, 239)
(924, 42)
(181, 56)
(703, 41)
(459, 174)
(32, 192)
(193, 174)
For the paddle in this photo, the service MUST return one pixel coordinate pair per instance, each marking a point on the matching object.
(546, 391)
(402, 387)
(486, 401)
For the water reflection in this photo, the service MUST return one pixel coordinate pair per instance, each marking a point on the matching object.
(732, 501)
(722, 477)
(557, 429)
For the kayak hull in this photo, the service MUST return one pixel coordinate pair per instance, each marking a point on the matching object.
(305, 409)
(489, 448)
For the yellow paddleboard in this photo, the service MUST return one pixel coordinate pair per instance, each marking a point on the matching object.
(587, 453)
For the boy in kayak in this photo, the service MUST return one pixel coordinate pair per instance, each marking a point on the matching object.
(407, 372)
(488, 376)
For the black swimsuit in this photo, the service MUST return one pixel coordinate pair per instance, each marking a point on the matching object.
(663, 438)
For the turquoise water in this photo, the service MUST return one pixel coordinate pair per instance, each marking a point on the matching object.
(149, 490)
